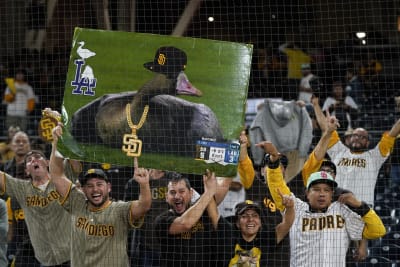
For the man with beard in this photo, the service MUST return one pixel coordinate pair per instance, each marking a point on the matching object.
(185, 231)
(357, 165)
(38, 199)
(99, 225)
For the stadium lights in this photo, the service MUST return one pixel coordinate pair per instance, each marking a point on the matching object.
(361, 35)
(211, 19)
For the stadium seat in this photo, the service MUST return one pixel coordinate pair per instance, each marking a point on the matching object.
(376, 261)
(395, 213)
(387, 250)
(392, 237)
(389, 200)
(389, 222)
(396, 228)
(382, 209)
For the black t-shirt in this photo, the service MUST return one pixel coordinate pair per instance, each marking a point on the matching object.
(271, 217)
(195, 248)
(146, 235)
(238, 251)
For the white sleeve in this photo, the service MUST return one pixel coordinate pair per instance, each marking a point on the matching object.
(29, 93)
(337, 148)
(354, 223)
(327, 103)
(350, 102)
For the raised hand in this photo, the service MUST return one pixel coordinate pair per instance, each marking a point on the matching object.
(314, 100)
(350, 200)
(210, 182)
(243, 139)
(141, 175)
(57, 132)
(156, 174)
(287, 200)
(269, 148)
(332, 122)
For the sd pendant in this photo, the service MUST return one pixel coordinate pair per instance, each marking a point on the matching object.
(132, 146)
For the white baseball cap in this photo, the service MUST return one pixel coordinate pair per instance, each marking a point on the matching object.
(321, 177)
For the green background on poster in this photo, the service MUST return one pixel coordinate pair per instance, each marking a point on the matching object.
(219, 69)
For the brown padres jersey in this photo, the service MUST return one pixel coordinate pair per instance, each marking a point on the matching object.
(49, 225)
(99, 237)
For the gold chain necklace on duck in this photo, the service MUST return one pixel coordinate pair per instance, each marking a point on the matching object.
(132, 146)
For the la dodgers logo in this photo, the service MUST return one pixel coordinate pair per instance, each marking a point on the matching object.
(85, 81)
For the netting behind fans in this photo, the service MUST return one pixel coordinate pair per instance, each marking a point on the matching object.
(338, 36)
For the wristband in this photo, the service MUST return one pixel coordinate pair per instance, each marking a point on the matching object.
(274, 165)
(362, 210)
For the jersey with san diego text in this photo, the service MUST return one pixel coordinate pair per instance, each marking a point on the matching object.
(43, 216)
(99, 237)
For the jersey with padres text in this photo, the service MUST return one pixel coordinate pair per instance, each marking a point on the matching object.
(317, 238)
(358, 172)
(43, 217)
(99, 238)
(322, 239)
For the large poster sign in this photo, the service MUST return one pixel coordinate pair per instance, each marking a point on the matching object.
(175, 103)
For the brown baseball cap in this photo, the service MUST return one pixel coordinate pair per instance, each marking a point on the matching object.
(94, 173)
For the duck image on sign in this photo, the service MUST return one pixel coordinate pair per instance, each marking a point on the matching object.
(173, 125)
(177, 103)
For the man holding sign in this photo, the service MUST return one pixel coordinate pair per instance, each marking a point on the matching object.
(99, 225)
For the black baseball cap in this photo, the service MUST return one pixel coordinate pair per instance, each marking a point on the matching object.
(94, 173)
(245, 205)
(330, 164)
(168, 60)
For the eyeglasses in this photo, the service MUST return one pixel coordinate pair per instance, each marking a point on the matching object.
(328, 170)
(360, 136)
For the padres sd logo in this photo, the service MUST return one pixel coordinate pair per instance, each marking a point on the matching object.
(46, 125)
(132, 146)
(161, 59)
